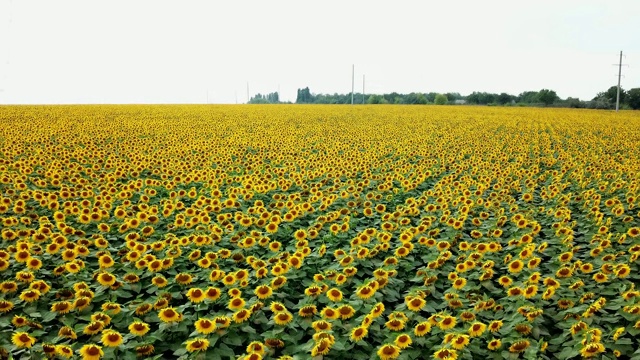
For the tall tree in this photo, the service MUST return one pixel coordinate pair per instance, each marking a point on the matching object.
(304, 96)
(504, 98)
(633, 98)
(441, 99)
(547, 96)
(612, 93)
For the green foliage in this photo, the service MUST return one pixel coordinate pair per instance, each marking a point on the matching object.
(547, 96)
(271, 98)
(633, 98)
(441, 99)
(612, 93)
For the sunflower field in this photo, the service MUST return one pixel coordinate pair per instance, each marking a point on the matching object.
(318, 232)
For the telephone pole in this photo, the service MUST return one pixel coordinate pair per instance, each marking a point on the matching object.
(353, 69)
(619, 75)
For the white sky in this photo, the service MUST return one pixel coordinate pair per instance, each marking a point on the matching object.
(157, 51)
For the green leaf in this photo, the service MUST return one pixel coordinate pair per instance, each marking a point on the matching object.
(180, 352)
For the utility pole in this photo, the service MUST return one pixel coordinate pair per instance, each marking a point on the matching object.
(619, 75)
(619, 90)
(248, 99)
(353, 69)
(362, 89)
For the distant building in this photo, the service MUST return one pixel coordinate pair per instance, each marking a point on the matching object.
(459, 102)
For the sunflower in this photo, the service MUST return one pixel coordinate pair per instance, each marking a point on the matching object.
(64, 351)
(5, 306)
(111, 338)
(388, 352)
(93, 328)
(321, 325)
(81, 303)
(477, 329)
(445, 354)
(30, 295)
(530, 291)
(448, 322)
(519, 346)
(422, 329)
(198, 344)
(138, 328)
(346, 312)
(222, 322)
(307, 311)
(61, 307)
(205, 326)
(236, 303)
(495, 326)
(623, 271)
(358, 333)
(277, 307)
(19, 321)
(255, 347)
(283, 318)
(415, 303)
(330, 313)
(459, 283)
(334, 295)
(395, 324)
(183, 278)
(213, 293)
(322, 347)
(403, 341)
(494, 344)
(515, 266)
(592, 349)
(145, 350)
(8, 287)
(241, 316)
(505, 281)
(196, 295)
(67, 333)
(112, 308)
(106, 279)
(263, 292)
(377, 310)
(91, 352)
(169, 315)
(600, 277)
(22, 340)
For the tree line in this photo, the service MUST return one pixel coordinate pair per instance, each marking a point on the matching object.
(545, 97)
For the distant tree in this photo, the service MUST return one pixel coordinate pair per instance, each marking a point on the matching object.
(573, 103)
(375, 99)
(473, 98)
(271, 98)
(453, 96)
(416, 98)
(504, 98)
(304, 96)
(547, 96)
(528, 97)
(633, 98)
(431, 97)
(612, 93)
(441, 99)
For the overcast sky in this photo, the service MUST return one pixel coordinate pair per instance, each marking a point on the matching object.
(179, 51)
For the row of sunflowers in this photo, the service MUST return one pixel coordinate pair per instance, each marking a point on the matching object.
(324, 232)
